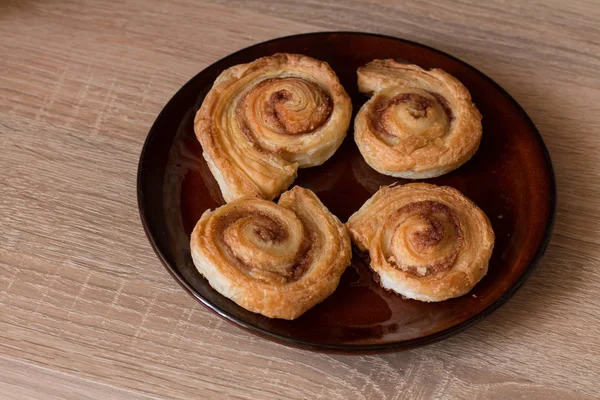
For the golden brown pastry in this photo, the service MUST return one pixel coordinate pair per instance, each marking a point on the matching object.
(426, 242)
(262, 121)
(278, 260)
(418, 124)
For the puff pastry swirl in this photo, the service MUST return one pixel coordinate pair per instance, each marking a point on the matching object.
(426, 242)
(278, 260)
(418, 124)
(263, 120)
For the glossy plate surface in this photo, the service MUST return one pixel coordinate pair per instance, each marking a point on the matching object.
(510, 178)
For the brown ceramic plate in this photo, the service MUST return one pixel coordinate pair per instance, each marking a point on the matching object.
(510, 178)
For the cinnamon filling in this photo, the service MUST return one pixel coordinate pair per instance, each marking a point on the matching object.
(444, 104)
(294, 107)
(425, 240)
(270, 231)
(418, 107)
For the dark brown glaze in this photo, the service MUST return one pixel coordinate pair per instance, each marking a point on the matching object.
(510, 178)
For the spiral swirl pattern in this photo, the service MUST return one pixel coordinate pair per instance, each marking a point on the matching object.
(418, 123)
(275, 259)
(426, 242)
(422, 238)
(263, 120)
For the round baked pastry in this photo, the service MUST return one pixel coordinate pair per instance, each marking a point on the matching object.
(278, 260)
(262, 121)
(426, 242)
(418, 124)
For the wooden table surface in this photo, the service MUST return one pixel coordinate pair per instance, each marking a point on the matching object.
(88, 312)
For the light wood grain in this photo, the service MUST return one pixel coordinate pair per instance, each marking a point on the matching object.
(86, 309)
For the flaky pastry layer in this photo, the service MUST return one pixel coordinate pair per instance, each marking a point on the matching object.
(426, 242)
(263, 120)
(418, 124)
(276, 259)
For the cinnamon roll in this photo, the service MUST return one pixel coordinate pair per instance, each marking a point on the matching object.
(262, 121)
(278, 260)
(418, 123)
(426, 242)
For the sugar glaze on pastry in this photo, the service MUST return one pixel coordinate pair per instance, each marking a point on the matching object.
(418, 123)
(276, 259)
(263, 120)
(426, 242)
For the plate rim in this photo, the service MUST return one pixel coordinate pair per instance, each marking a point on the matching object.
(349, 348)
